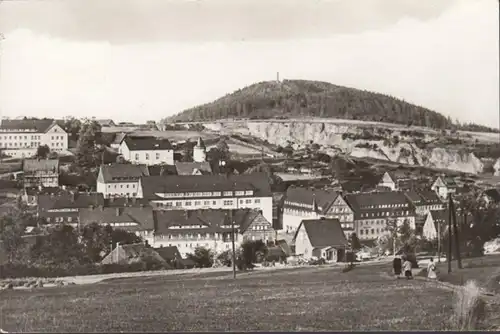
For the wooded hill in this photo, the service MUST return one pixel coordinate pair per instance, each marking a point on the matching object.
(302, 98)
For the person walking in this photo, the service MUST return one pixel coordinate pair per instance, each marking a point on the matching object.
(407, 269)
(396, 266)
(431, 269)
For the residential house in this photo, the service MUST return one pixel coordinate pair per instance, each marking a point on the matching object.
(425, 201)
(392, 180)
(193, 168)
(194, 192)
(41, 172)
(20, 138)
(139, 220)
(490, 196)
(147, 150)
(65, 207)
(131, 253)
(374, 211)
(200, 151)
(188, 229)
(308, 203)
(29, 196)
(171, 255)
(115, 144)
(433, 222)
(443, 186)
(120, 180)
(106, 122)
(321, 238)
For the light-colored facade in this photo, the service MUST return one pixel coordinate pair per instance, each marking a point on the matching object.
(21, 138)
(146, 151)
(41, 173)
(444, 187)
(388, 181)
(120, 180)
(200, 151)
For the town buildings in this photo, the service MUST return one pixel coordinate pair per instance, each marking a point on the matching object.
(193, 168)
(20, 138)
(425, 201)
(321, 238)
(212, 229)
(443, 186)
(120, 180)
(41, 173)
(193, 192)
(147, 150)
(65, 207)
(374, 211)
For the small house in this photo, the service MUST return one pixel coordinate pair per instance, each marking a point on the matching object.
(433, 221)
(444, 186)
(131, 253)
(41, 172)
(321, 238)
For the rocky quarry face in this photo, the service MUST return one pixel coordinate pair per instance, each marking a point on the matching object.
(330, 137)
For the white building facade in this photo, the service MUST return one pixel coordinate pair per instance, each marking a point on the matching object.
(21, 138)
(120, 180)
(147, 151)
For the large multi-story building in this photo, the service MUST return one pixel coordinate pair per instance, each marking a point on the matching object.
(212, 229)
(307, 203)
(21, 138)
(147, 150)
(193, 192)
(120, 180)
(374, 211)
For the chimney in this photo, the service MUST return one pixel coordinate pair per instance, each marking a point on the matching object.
(117, 212)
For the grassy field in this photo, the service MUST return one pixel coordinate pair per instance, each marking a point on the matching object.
(297, 300)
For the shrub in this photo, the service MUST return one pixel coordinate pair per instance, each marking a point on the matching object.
(469, 309)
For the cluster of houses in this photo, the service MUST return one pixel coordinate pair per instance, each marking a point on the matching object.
(195, 207)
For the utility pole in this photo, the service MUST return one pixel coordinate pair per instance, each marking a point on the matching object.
(439, 241)
(449, 235)
(455, 231)
(231, 216)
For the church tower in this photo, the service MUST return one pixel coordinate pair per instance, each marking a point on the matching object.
(200, 151)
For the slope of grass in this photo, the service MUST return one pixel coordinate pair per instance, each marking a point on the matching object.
(314, 299)
(300, 98)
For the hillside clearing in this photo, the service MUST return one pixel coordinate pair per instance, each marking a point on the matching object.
(316, 299)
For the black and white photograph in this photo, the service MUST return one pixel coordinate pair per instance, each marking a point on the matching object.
(249, 165)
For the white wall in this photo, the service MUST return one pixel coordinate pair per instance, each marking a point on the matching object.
(199, 154)
(302, 244)
(429, 230)
(121, 189)
(188, 246)
(293, 218)
(147, 157)
(17, 143)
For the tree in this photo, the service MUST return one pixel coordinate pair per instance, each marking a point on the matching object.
(263, 167)
(96, 241)
(11, 232)
(354, 241)
(72, 127)
(42, 151)
(88, 152)
(223, 149)
(250, 250)
(187, 152)
(203, 257)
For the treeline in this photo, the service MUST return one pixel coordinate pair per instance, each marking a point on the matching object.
(61, 250)
(301, 98)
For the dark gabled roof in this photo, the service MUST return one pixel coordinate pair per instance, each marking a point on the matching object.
(493, 194)
(448, 181)
(324, 232)
(68, 200)
(374, 199)
(169, 253)
(38, 125)
(187, 168)
(258, 182)
(423, 197)
(142, 216)
(45, 191)
(438, 215)
(414, 197)
(284, 246)
(323, 198)
(133, 251)
(147, 143)
(206, 221)
(36, 165)
(123, 172)
(158, 170)
(119, 138)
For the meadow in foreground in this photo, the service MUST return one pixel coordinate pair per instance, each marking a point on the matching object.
(314, 299)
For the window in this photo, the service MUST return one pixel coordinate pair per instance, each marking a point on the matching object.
(373, 231)
(214, 202)
(361, 232)
(228, 193)
(157, 156)
(137, 156)
(178, 203)
(147, 156)
(197, 202)
(248, 201)
(188, 203)
(257, 201)
(228, 202)
(206, 202)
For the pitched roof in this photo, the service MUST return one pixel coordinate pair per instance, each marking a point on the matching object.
(114, 202)
(157, 170)
(423, 197)
(44, 191)
(323, 198)
(202, 221)
(37, 125)
(169, 253)
(493, 194)
(67, 200)
(134, 251)
(284, 246)
(200, 143)
(123, 172)
(324, 232)
(438, 215)
(143, 217)
(46, 165)
(258, 182)
(147, 143)
(384, 201)
(448, 181)
(119, 138)
(187, 168)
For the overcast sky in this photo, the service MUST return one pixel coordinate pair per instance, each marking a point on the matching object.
(148, 59)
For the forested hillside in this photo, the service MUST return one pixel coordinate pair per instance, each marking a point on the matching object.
(302, 98)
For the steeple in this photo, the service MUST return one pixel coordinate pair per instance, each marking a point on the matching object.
(200, 143)
(315, 204)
